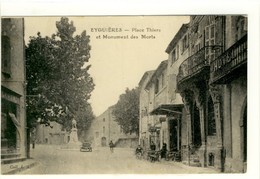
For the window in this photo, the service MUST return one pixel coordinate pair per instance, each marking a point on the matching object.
(163, 80)
(185, 43)
(6, 55)
(209, 41)
(175, 54)
(104, 119)
(241, 26)
(104, 130)
(197, 48)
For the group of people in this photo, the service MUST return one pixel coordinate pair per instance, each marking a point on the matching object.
(139, 149)
(163, 151)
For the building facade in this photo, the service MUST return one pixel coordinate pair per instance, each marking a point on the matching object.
(196, 101)
(145, 121)
(104, 129)
(164, 104)
(157, 88)
(193, 84)
(214, 93)
(51, 134)
(228, 75)
(178, 52)
(13, 112)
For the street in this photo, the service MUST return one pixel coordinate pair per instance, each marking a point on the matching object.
(53, 160)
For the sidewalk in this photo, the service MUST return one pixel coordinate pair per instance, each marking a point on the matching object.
(191, 169)
(13, 168)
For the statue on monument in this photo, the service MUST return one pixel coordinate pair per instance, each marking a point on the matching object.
(73, 142)
(73, 133)
(74, 123)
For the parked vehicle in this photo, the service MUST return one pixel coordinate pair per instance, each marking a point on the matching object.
(86, 147)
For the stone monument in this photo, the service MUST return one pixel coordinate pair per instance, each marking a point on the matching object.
(73, 143)
(74, 133)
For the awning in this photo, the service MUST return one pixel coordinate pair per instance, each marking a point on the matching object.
(167, 109)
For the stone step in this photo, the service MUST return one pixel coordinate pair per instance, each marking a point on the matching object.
(12, 160)
(10, 155)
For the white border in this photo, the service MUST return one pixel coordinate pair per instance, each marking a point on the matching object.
(166, 7)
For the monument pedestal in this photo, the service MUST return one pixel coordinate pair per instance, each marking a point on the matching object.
(73, 143)
(73, 136)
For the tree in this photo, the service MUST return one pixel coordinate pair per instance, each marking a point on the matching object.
(126, 111)
(57, 74)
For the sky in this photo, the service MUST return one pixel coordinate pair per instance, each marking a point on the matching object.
(117, 64)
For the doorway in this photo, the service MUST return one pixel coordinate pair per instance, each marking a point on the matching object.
(195, 126)
(173, 135)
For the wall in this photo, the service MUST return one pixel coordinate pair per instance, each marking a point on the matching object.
(236, 27)
(235, 95)
(112, 129)
(238, 97)
(144, 110)
(48, 135)
(161, 98)
(15, 31)
(100, 124)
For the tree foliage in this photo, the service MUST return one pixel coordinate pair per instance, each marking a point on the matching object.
(57, 71)
(126, 111)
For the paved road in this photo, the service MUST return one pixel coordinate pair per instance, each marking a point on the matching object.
(101, 161)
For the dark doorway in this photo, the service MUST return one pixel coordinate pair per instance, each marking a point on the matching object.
(195, 126)
(173, 135)
(211, 159)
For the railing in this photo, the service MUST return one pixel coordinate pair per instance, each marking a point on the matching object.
(192, 65)
(230, 60)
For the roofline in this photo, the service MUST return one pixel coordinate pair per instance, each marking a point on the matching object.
(163, 65)
(144, 76)
(183, 29)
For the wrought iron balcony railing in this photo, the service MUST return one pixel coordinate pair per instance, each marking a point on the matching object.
(231, 60)
(192, 65)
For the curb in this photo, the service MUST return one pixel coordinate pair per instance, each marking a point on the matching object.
(17, 170)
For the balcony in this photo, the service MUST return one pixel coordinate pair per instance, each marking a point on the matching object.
(193, 68)
(231, 64)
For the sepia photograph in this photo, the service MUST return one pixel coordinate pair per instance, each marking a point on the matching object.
(124, 94)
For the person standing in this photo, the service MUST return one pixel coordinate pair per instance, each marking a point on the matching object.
(139, 149)
(152, 146)
(164, 151)
(111, 145)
